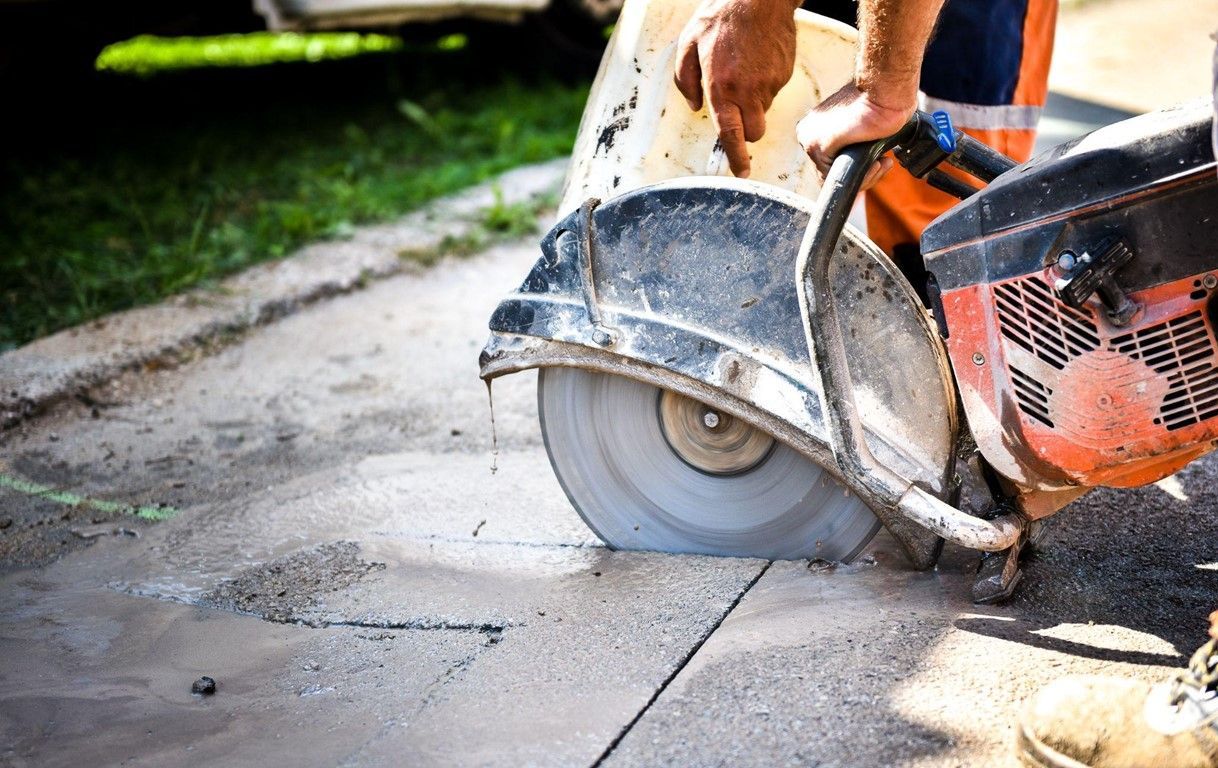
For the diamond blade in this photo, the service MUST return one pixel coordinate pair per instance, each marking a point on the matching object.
(638, 486)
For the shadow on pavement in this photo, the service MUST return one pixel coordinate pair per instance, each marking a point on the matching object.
(1133, 558)
(1026, 633)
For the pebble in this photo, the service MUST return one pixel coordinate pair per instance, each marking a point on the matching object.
(204, 686)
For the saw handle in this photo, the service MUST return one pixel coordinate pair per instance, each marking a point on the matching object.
(842, 185)
(831, 363)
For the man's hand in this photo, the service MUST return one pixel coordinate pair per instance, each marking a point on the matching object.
(850, 116)
(746, 51)
(892, 38)
(1214, 625)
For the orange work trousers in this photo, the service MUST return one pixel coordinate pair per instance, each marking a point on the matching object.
(988, 67)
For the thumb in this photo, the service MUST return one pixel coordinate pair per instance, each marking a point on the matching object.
(688, 74)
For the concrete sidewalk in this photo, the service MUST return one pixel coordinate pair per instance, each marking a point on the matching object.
(369, 584)
(366, 590)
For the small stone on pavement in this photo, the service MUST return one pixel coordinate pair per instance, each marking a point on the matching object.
(204, 686)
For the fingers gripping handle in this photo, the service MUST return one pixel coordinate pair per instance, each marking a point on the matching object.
(851, 165)
(842, 185)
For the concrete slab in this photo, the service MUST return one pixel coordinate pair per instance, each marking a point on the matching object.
(105, 679)
(405, 631)
(873, 666)
(392, 372)
(590, 637)
(421, 498)
(877, 665)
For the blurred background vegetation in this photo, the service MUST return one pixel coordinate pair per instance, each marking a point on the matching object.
(179, 161)
(150, 54)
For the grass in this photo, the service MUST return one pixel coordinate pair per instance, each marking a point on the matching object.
(154, 514)
(499, 222)
(176, 181)
(147, 54)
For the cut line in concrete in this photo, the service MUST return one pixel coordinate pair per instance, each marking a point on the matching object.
(693, 651)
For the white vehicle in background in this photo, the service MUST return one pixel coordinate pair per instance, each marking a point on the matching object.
(60, 37)
(575, 26)
(347, 14)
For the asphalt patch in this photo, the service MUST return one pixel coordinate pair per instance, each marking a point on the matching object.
(287, 588)
(1133, 557)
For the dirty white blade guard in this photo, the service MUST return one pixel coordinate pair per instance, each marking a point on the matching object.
(690, 287)
(650, 469)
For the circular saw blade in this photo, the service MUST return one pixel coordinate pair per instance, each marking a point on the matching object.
(607, 444)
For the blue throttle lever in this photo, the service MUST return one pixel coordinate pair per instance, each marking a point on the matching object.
(945, 133)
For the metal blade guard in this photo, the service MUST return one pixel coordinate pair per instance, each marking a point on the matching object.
(695, 286)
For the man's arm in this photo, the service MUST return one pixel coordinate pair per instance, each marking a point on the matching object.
(745, 49)
(893, 35)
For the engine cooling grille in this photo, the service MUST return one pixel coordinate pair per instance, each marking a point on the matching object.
(1033, 396)
(1031, 316)
(1181, 352)
(1182, 349)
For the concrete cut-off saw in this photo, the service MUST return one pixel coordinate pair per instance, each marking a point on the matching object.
(727, 367)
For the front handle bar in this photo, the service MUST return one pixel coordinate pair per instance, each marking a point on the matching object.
(830, 361)
(820, 316)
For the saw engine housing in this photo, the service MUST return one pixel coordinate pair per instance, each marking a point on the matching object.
(1078, 298)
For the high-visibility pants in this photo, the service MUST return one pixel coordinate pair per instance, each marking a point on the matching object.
(988, 66)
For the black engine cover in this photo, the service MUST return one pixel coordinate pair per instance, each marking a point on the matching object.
(1149, 181)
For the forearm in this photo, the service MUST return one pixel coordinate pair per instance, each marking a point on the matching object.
(893, 35)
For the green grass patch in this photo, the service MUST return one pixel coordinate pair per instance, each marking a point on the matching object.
(148, 54)
(155, 514)
(498, 223)
(172, 197)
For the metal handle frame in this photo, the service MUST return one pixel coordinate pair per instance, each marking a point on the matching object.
(831, 363)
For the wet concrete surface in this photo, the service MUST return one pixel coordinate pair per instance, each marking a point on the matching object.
(366, 590)
(105, 679)
(434, 612)
(296, 396)
(335, 482)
